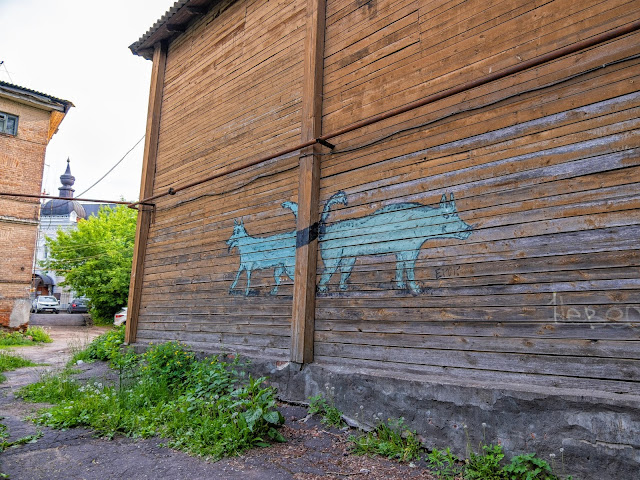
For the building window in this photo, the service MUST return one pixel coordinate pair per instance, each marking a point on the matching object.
(8, 123)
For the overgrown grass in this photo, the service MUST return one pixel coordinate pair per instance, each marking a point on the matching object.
(205, 407)
(32, 336)
(331, 416)
(11, 362)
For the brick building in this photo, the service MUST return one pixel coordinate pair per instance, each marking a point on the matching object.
(28, 120)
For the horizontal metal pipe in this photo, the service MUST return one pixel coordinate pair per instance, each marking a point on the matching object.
(534, 62)
(49, 197)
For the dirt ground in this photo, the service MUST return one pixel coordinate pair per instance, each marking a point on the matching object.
(311, 452)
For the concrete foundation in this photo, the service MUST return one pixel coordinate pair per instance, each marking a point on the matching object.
(593, 435)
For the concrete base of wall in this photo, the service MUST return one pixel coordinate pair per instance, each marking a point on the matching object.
(592, 435)
(20, 313)
(595, 435)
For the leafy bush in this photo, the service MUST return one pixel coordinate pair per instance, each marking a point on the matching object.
(391, 441)
(205, 407)
(331, 416)
(106, 347)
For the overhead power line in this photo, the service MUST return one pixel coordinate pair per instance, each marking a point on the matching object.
(112, 168)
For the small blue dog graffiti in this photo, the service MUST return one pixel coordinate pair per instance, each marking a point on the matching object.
(257, 253)
(400, 229)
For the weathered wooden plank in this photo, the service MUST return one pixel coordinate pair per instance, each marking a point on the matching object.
(433, 373)
(543, 314)
(588, 332)
(614, 369)
(627, 349)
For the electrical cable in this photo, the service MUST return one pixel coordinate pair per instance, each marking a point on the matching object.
(112, 168)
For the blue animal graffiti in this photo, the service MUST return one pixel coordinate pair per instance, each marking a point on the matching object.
(399, 229)
(258, 253)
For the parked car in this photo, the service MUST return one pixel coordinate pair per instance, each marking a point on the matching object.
(78, 305)
(45, 303)
(120, 317)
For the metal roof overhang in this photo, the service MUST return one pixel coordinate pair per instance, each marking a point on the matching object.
(45, 279)
(173, 23)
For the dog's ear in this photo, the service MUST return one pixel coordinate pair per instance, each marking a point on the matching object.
(443, 200)
(235, 222)
(452, 201)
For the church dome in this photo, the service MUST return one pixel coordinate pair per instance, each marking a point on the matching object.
(64, 207)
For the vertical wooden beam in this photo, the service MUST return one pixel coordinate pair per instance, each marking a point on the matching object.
(145, 212)
(304, 290)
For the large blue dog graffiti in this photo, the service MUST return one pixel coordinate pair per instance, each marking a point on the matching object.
(257, 253)
(399, 229)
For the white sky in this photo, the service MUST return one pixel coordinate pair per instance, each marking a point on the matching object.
(77, 50)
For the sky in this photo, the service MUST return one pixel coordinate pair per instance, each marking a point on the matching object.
(77, 50)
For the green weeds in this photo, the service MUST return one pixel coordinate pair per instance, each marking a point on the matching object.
(444, 464)
(485, 465)
(204, 407)
(11, 362)
(394, 441)
(32, 336)
(331, 416)
(106, 347)
(391, 441)
(4, 444)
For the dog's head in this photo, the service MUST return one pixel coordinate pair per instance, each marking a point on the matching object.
(452, 224)
(238, 233)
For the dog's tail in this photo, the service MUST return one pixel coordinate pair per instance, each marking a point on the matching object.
(293, 206)
(338, 197)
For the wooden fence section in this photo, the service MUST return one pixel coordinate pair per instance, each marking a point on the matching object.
(232, 90)
(530, 272)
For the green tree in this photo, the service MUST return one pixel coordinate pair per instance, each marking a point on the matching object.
(96, 258)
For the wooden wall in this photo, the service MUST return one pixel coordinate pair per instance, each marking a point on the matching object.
(543, 166)
(232, 91)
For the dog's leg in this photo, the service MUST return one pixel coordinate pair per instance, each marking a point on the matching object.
(235, 281)
(346, 265)
(277, 273)
(330, 266)
(400, 268)
(246, 291)
(409, 265)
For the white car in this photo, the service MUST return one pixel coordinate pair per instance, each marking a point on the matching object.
(120, 317)
(45, 303)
